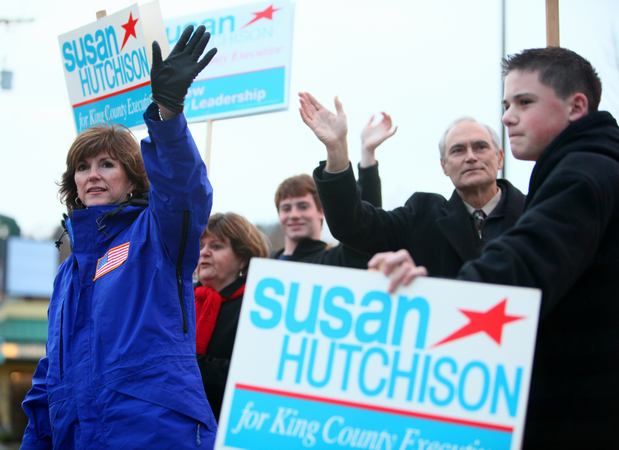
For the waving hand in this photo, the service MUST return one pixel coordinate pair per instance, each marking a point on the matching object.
(170, 79)
(330, 128)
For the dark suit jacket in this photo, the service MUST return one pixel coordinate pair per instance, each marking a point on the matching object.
(439, 233)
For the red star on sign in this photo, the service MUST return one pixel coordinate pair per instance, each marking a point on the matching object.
(129, 29)
(490, 322)
(266, 14)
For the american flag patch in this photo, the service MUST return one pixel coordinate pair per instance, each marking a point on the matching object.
(113, 258)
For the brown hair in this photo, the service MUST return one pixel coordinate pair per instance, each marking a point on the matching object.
(119, 143)
(565, 71)
(246, 240)
(297, 186)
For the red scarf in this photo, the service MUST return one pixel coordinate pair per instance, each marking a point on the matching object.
(208, 304)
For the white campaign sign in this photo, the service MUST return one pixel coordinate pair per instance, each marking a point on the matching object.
(107, 66)
(251, 72)
(326, 358)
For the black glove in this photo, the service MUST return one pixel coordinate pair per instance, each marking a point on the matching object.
(170, 79)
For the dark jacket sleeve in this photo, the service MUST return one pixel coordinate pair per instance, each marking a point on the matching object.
(559, 235)
(369, 185)
(356, 223)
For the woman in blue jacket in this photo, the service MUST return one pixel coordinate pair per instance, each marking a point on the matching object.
(120, 369)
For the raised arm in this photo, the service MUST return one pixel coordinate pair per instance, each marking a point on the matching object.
(360, 225)
(181, 195)
(329, 128)
(170, 79)
(373, 134)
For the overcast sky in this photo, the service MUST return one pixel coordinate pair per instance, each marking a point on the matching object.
(424, 62)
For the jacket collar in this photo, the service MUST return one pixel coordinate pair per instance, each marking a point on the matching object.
(305, 246)
(232, 288)
(585, 134)
(97, 224)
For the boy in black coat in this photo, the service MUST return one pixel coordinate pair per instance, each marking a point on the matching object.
(566, 243)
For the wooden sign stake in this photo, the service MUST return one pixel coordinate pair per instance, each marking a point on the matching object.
(552, 23)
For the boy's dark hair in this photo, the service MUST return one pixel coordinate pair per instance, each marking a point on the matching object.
(297, 186)
(565, 71)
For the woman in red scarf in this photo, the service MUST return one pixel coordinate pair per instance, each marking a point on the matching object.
(226, 246)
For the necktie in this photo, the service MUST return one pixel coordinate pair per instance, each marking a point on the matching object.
(478, 219)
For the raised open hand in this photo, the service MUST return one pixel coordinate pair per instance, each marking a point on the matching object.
(374, 134)
(170, 79)
(330, 128)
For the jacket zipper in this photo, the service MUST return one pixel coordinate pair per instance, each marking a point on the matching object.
(179, 268)
(60, 345)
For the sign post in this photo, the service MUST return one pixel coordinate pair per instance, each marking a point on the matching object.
(552, 23)
(326, 357)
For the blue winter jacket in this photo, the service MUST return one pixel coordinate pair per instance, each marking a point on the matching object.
(120, 370)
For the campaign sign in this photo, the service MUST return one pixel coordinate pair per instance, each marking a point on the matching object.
(107, 66)
(251, 72)
(326, 358)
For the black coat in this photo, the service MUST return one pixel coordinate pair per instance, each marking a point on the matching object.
(319, 252)
(215, 363)
(369, 185)
(438, 233)
(567, 244)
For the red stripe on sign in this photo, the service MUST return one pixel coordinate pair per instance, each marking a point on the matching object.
(103, 97)
(401, 412)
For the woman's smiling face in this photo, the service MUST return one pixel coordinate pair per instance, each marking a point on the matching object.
(101, 180)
